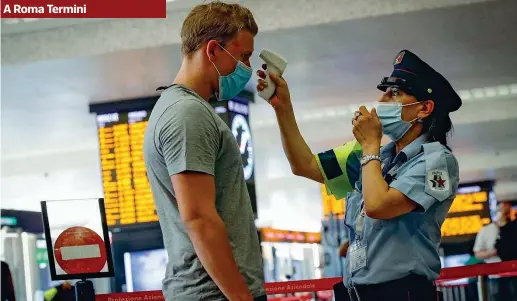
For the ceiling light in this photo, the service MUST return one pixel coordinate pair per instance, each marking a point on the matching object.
(21, 20)
(330, 113)
(478, 93)
(513, 89)
(465, 95)
(503, 90)
(342, 111)
(318, 115)
(490, 92)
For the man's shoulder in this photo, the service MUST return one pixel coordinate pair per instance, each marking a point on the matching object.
(176, 109)
(488, 228)
(178, 100)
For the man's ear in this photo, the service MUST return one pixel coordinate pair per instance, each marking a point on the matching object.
(211, 48)
(427, 109)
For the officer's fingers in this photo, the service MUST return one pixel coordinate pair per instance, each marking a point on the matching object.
(261, 85)
(261, 73)
(361, 119)
(364, 111)
(262, 82)
(374, 113)
(356, 132)
(279, 81)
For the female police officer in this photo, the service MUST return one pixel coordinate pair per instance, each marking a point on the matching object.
(397, 196)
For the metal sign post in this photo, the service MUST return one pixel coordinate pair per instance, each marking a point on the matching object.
(483, 288)
(84, 291)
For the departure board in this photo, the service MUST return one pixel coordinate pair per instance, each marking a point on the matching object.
(127, 194)
(469, 212)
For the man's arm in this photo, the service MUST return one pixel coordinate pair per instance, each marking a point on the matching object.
(480, 248)
(189, 139)
(485, 254)
(208, 233)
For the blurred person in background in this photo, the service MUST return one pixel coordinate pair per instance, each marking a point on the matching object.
(194, 164)
(506, 246)
(62, 292)
(397, 196)
(7, 290)
(486, 248)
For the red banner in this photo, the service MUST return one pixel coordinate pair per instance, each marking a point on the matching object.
(306, 297)
(287, 287)
(83, 9)
(508, 268)
(136, 296)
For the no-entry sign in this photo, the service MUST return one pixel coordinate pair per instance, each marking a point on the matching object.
(79, 250)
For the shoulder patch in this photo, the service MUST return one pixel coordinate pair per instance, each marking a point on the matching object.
(438, 180)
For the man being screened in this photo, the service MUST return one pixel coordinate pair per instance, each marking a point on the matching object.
(194, 165)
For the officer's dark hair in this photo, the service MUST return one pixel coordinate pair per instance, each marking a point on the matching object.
(437, 126)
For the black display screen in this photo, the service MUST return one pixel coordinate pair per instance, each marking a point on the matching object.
(469, 212)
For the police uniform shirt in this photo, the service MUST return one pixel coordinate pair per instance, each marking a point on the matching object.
(427, 173)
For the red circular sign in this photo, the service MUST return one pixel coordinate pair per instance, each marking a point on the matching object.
(80, 250)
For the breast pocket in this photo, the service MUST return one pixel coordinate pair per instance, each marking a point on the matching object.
(374, 226)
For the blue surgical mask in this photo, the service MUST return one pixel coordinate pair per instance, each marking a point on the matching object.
(232, 84)
(390, 116)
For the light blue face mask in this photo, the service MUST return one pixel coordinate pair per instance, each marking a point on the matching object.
(232, 84)
(390, 116)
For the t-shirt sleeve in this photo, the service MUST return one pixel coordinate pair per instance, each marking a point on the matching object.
(480, 242)
(340, 168)
(434, 177)
(188, 138)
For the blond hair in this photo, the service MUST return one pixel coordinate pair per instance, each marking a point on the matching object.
(215, 21)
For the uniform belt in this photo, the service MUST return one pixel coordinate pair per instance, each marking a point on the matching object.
(411, 282)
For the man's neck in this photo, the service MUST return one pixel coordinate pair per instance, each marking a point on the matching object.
(191, 76)
(409, 137)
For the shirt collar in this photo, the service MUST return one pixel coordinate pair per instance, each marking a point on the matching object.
(408, 152)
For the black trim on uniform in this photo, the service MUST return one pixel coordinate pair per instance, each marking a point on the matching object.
(352, 163)
(330, 164)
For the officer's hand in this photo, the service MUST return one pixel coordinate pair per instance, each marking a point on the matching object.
(367, 128)
(281, 99)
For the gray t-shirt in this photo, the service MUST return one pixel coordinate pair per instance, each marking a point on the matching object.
(185, 134)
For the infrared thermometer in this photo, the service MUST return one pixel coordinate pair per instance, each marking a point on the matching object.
(275, 64)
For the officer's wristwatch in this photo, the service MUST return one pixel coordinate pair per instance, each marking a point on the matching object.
(367, 158)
